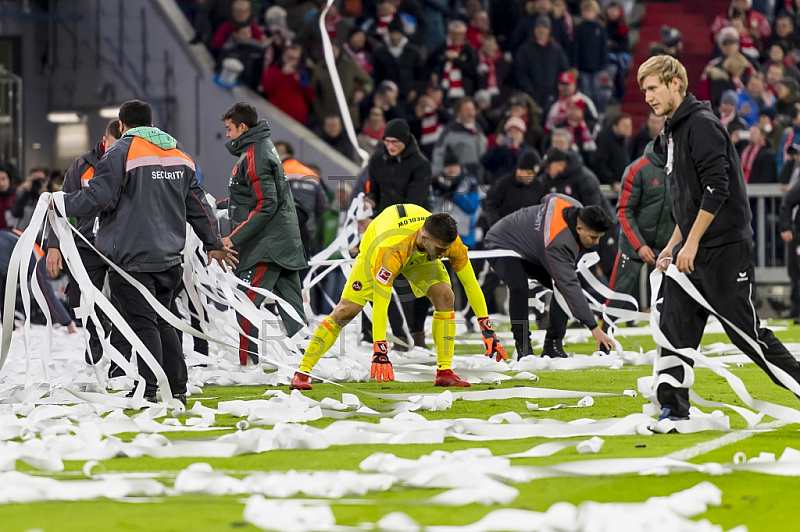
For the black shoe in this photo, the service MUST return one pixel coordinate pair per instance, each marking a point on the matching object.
(180, 397)
(553, 349)
(523, 350)
(149, 398)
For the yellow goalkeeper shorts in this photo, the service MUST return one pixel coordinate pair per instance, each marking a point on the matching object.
(420, 273)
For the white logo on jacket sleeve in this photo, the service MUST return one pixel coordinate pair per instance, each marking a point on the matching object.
(710, 190)
(383, 276)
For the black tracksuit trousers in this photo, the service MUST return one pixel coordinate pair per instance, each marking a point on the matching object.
(724, 275)
(515, 273)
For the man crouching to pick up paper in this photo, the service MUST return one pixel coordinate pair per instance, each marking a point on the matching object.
(405, 239)
(145, 190)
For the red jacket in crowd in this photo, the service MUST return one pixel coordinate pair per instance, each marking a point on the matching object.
(288, 92)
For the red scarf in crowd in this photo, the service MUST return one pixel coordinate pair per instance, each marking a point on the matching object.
(330, 25)
(491, 71)
(748, 156)
(359, 57)
(383, 25)
(451, 78)
(431, 128)
(581, 136)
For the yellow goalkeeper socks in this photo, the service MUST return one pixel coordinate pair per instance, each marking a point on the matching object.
(444, 337)
(324, 337)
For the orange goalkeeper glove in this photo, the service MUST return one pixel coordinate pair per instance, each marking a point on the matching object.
(381, 369)
(491, 341)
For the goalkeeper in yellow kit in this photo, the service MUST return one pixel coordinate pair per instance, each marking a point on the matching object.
(405, 239)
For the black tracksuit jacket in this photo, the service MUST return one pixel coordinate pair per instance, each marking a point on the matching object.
(705, 174)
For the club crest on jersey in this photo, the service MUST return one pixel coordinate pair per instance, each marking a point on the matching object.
(357, 286)
(383, 276)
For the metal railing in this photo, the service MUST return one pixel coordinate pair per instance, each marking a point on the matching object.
(11, 144)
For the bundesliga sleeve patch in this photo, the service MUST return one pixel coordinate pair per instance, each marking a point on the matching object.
(383, 276)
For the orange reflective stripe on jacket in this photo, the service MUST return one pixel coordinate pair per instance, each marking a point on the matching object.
(36, 247)
(144, 153)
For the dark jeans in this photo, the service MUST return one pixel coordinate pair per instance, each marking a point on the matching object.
(97, 268)
(724, 275)
(515, 273)
(158, 336)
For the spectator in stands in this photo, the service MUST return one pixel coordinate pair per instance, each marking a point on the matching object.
(590, 54)
(356, 49)
(279, 36)
(478, 29)
(399, 173)
(562, 26)
(753, 99)
(619, 59)
(784, 31)
(561, 138)
(729, 71)
(728, 113)
(400, 61)
(456, 193)
(336, 26)
(515, 190)
(757, 25)
(8, 196)
(525, 26)
(385, 99)
(583, 141)
(522, 106)
(790, 225)
(463, 138)
(568, 92)
(787, 100)
(28, 196)
(776, 54)
(370, 136)
(377, 28)
(571, 178)
(493, 68)
(671, 42)
(749, 47)
(427, 123)
(538, 63)
(246, 49)
(308, 191)
(334, 135)
(613, 151)
(758, 158)
(356, 84)
(649, 131)
(502, 158)
(287, 85)
(773, 74)
(241, 15)
(484, 115)
(455, 63)
(212, 14)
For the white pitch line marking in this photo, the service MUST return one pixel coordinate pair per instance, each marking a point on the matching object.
(727, 439)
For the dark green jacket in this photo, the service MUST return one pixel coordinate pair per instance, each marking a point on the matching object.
(645, 207)
(261, 206)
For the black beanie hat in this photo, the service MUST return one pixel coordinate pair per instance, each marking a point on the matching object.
(528, 161)
(555, 155)
(398, 128)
